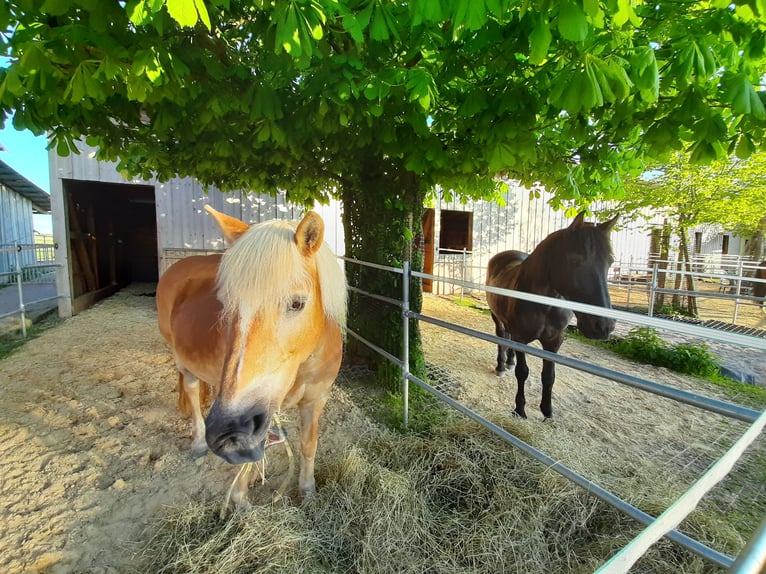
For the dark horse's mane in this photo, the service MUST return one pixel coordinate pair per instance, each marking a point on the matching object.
(596, 244)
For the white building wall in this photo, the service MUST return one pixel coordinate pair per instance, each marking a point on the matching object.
(16, 226)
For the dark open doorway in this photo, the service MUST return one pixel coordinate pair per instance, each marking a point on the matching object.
(112, 231)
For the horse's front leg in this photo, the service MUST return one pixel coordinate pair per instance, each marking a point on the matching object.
(522, 372)
(189, 403)
(309, 434)
(549, 376)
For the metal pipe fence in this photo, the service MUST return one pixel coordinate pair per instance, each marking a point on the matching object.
(750, 560)
(31, 265)
(726, 279)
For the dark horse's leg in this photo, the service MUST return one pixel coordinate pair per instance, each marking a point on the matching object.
(522, 372)
(549, 377)
(504, 355)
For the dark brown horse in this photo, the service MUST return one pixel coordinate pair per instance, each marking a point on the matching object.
(571, 264)
(759, 289)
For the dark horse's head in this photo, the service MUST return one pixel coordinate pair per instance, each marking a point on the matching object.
(579, 259)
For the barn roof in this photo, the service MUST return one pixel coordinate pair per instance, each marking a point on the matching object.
(12, 179)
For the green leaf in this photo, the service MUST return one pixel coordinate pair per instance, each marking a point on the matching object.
(183, 11)
(645, 73)
(539, 40)
(378, 26)
(625, 13)
(202, 11)
(502, 157)
(743, 97)
(745, 147)
(593, 9)
(573, 23)
(703, 153)
(55, 7)
(470, 14)
(353, 26)
(474, 102)
(425, 11)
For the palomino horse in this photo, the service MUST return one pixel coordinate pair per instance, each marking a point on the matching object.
(568, 264)
(262, 325)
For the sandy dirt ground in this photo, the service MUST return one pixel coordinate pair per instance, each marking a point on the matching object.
(93, 449)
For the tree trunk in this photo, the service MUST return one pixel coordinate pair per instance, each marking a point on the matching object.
(382, 231)
(659, 300)
(691, 300)
(757, 245)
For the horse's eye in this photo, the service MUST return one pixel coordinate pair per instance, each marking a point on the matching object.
(297, 304)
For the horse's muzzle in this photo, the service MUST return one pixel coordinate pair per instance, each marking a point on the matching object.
(237, 438)
(594, 327)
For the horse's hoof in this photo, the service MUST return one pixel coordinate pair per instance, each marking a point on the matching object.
(502, 373)
(198, 451)
(308, 493)
(548, 419)
(520, 415)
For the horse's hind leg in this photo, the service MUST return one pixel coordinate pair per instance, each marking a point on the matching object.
(522, 372)
(504, 354)
(189, 403)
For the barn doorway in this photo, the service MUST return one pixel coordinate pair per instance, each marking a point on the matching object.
(112, 237)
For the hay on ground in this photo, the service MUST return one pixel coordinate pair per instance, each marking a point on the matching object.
(458, 500)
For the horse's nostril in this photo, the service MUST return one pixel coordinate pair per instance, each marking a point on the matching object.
(260, 422)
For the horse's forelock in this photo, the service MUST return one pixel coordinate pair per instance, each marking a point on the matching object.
(594, 239)
(264, 266)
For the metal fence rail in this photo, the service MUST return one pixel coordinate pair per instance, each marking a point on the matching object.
(735, 282)
(32, 264)
(734, 278)
(750, 559)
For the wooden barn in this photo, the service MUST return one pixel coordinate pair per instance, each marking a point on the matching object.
(112, 231)
(19, 199)
(461, 237)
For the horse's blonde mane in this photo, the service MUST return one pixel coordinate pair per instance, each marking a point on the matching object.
(264, 266)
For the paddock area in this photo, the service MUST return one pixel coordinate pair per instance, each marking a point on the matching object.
(94, 449)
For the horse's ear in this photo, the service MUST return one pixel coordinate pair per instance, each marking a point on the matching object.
(578, 221)
(310, 234)
(606, 226)
(231, 227)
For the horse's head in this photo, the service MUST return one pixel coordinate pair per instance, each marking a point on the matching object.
(274, 284)
(580, 268)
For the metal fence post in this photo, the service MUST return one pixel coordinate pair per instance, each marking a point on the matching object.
(21, 290)
(652, 289)
(738, 291)
(465, 265)
(406, 278)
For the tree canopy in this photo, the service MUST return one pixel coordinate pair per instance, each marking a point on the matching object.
(377, 101)
(304, 94)
(729, 192)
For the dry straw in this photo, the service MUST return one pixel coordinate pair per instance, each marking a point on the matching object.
(458, 500)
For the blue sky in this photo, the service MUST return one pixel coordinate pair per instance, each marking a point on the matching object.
(26, 153)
